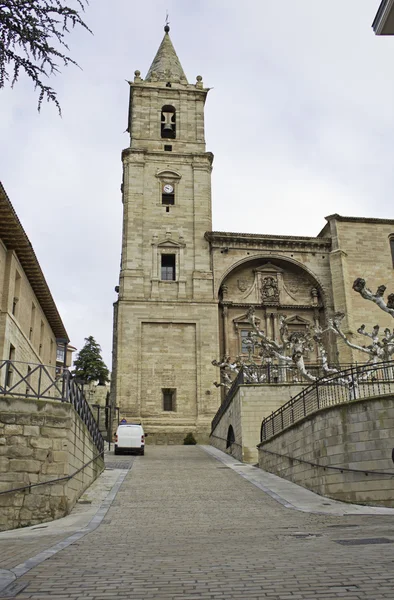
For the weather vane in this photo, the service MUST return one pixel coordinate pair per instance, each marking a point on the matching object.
(167, 25)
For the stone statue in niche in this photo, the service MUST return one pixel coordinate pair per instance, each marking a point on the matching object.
(270, 291)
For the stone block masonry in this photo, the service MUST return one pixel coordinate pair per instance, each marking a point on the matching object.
(357, 435)
(250, 405)
(42, 440)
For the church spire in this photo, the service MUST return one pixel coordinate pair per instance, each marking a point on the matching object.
(166, 65)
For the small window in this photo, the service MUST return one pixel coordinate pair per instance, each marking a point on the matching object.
(10, 369)
(230, 437)
(168, 195)
(14, 305)
(168, 267)
(246, 342)
(169, 399)
(392, 248)
(32, 321)
(17, 290)
(168, 122)
(168, 148)
(60, 354)
(168, 199)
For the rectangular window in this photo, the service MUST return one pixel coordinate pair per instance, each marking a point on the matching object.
(168, 148)
(17, 291)
(168, 199)
(169, 399)
(41, 336)
(60, 354)
(246, 342)
(392, 249)
(168, 267)
(10, 370)
(32, 321)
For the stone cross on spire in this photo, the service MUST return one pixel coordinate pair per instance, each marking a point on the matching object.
(166, 65)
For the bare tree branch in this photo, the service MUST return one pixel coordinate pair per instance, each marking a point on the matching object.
(360, 286)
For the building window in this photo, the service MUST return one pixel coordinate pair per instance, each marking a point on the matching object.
(60, 354)
(392, 248)
(167, 148)
(168, 122)
(168, 267)
(169, 399)
(246, 342)
(10, 370)
(230, 437)
(168, 194)
(17, 291)
(32, 321)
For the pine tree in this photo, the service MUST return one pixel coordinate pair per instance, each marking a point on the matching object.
(33, 40)
(89, 366)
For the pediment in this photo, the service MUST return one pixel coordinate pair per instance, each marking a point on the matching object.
(297, 320)
(168, 174)
(268, 268)
(169, 244)
(243, 320)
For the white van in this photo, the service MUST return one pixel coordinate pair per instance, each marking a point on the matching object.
(130, 437)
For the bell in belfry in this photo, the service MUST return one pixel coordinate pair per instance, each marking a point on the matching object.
(167, 121)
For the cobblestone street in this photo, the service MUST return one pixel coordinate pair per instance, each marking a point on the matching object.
(183, 525)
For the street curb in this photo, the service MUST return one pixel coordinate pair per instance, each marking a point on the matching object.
(95, 521)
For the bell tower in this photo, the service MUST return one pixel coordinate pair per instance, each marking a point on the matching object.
(165, 321)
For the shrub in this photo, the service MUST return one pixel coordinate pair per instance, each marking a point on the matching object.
(190, 440)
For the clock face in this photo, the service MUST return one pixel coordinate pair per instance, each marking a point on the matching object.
(168, 189)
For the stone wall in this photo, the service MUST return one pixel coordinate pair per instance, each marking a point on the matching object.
(250, 405)
(355, 435)
(42, 440)
(352, 257)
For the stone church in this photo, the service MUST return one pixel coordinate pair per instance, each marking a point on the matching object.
(184, 290)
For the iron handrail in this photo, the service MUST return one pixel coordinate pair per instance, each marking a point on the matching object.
(48, 382)
(53, 481)
(267, 374)
(324, 392)
(324, 467)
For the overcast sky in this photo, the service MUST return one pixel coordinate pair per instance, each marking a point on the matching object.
(300, 119)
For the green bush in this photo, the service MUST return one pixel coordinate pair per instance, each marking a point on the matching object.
(190, 440)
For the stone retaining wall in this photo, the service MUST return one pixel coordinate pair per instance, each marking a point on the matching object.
(355, 435)
(250, 405)
(42, 440)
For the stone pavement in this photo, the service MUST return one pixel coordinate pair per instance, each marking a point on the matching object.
(185, 525)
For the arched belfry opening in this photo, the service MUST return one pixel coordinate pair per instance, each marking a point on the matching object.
(168, 122)
(230, 437)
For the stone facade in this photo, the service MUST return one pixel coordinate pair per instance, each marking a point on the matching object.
(166, 316)
(30, 325)
(355, 435)
(42, 441)
(184, 290)
(249, 406)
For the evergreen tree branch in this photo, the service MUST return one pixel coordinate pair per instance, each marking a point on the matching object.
(33, 40)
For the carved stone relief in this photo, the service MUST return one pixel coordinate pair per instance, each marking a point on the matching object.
(270, 290)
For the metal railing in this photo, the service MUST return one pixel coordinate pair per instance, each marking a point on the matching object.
(47, 382)
(279, 374)
(356, 382)
(269, 374)
(239, 380)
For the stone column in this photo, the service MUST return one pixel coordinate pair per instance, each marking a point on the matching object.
(225, 333)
